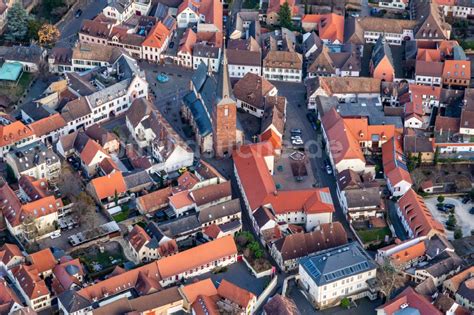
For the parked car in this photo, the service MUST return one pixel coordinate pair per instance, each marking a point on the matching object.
(171, 45)
(311, 117)
(55, 235)
(296, 131)
(449, 206)
(471, 211)
(466, 199)
(297, 142)
(296, 137)
(441, 208)
(78, 13)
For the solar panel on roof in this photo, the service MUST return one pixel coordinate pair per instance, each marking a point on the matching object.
(325, 197)
(168, 22)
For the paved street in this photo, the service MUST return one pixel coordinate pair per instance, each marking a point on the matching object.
(296, 118)
(70, 29)
(365, 9)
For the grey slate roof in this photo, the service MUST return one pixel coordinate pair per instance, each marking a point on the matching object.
(337, 263)
(363, 197)
(137, 179)
(72, 301)
(221, 210)
(180, 226)
(381, 49)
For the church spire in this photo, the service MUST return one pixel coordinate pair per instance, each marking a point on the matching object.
(224, 88)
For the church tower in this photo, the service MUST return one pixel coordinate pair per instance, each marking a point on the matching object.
(224, 116)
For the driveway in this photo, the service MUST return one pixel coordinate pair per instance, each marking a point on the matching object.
(464, 219)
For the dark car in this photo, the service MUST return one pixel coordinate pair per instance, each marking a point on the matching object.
(449, 206)
(441, 208)
(78, 13)
(171, 44)
(311, 117)
(471, 211)
(466, 199)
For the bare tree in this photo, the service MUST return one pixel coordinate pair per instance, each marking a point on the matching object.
(389, 279)
(71, 187)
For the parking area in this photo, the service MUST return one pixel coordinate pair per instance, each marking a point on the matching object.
(464, 219)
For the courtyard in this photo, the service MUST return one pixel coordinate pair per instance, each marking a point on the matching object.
(464, 219)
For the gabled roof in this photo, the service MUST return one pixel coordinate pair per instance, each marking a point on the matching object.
(107, 186)
(197, 256)
(338, 131)
(157, 37)
(90, 150)
(418, 216)
(30, 282)
(235, 294)
(299, 245)
(252, 89)
(43, 260)
(417, 304)
(253, 173)
(8, 252)
(138, 238)
(14, 132)
(46, 125)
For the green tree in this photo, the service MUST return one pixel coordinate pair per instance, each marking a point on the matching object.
(457, 234)
(53, 4)
(17, 23)
(284, 15)
(33, 27)
(451, 222)
(11, 178)
(345, 303)
(440, 198)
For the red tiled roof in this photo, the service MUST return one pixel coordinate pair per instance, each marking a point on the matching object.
(90, 150)
(253, 172)
(234, 293)
(30, 282)
(197, 256)
(212, 231)
(155, 200)
(418, 216)
(13, 133)
(457, 69)
(393, 158)
(157, 37)
(413, 299)
(106, 186)
(194, 290)
(337, 130)
(48, 124)
(9, 251)
(317, 200)
(138, 237)
(410, 253)
(43, 260)
(181, 199)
